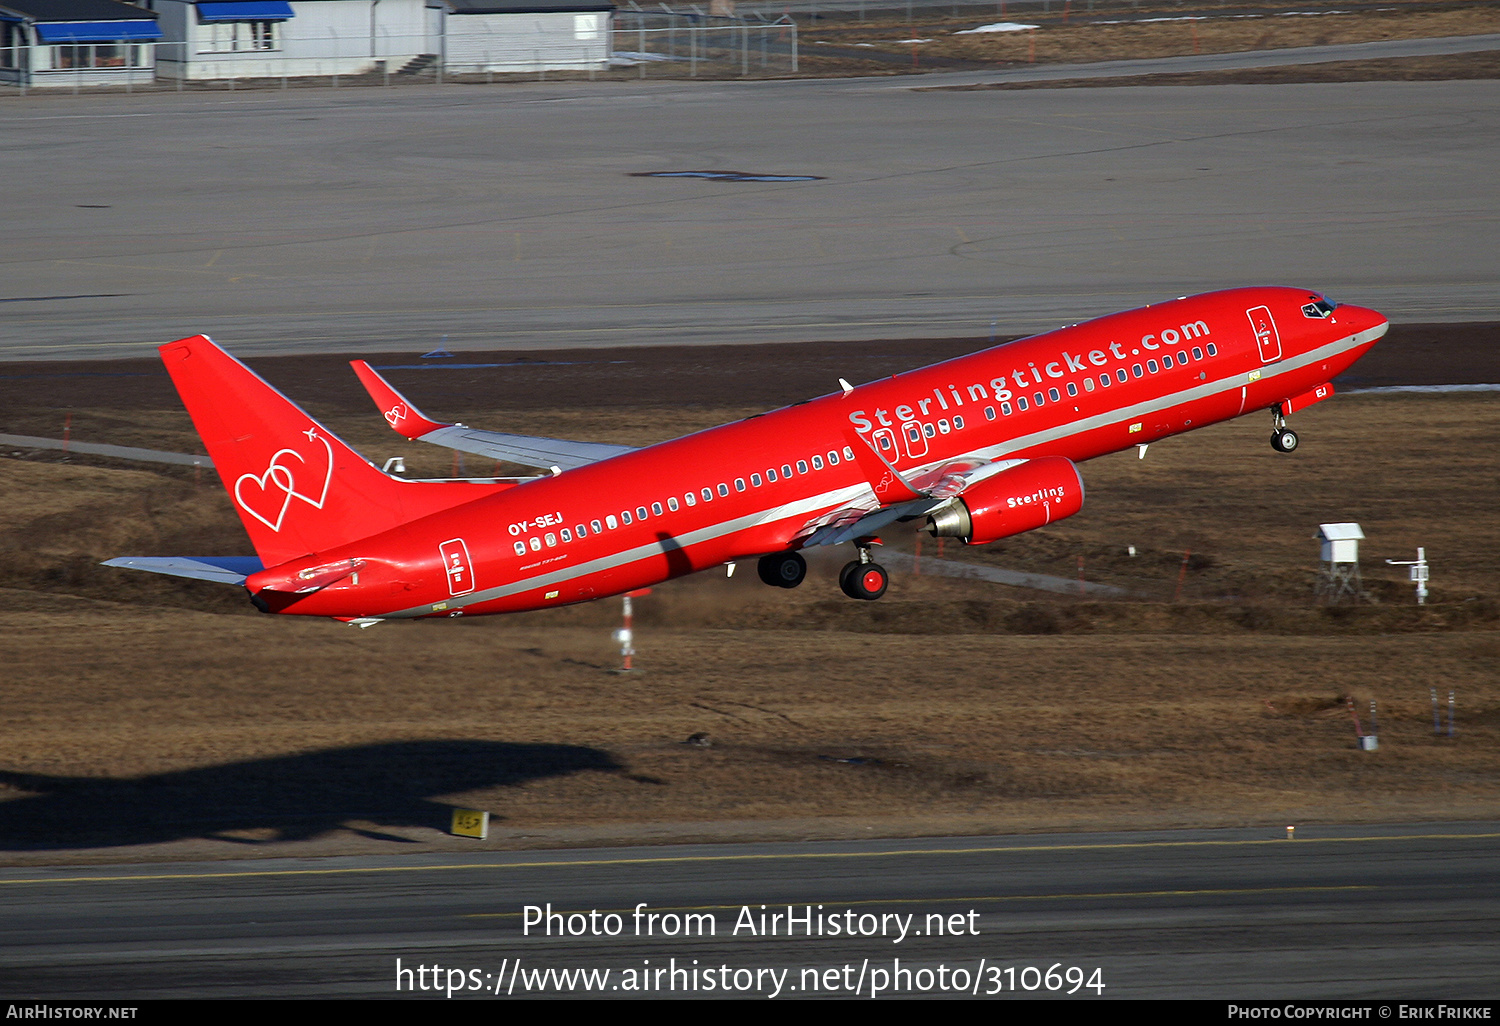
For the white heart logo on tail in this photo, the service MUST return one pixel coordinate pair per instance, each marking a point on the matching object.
(275, 489)
(265, 501)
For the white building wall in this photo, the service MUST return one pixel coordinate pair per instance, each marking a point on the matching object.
(526, 42)
(325, 37)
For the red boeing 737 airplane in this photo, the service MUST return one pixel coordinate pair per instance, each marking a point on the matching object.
(982, 447)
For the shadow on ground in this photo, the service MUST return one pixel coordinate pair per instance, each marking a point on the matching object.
(293, 797)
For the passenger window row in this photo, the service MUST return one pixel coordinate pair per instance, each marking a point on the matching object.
(612, 522)
(1151, 366)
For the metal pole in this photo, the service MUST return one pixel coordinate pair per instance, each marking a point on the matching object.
(627, 637)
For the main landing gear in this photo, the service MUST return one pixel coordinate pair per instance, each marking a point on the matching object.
(782, 569)
(1283, 438)
(864, 578)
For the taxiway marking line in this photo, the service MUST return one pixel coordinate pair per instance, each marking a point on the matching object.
(773, 857)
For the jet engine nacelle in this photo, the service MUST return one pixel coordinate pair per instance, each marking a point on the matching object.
(1029, 496)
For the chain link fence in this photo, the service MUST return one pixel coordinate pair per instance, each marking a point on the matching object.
(635, 45)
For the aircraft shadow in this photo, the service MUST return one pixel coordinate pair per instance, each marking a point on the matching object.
(297, 796)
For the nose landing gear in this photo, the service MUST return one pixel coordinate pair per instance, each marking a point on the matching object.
(1283, 438)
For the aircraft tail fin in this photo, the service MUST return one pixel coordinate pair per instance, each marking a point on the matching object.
(297, 487)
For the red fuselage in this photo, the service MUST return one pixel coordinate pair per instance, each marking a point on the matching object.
(764, 484)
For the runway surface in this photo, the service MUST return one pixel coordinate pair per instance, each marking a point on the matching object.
(1339, 912)
(484, 217)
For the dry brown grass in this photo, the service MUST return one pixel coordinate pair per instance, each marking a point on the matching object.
(1088, 39)
(192, 726)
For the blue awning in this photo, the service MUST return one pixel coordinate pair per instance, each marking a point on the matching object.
(97, 31)
(245, 10)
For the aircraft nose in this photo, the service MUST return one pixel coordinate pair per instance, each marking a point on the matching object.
(1362, 319)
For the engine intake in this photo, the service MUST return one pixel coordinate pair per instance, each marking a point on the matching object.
(1023, 498)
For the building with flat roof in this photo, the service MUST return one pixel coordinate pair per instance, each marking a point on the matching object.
(249, 39)
(67, 43)
(509, 36)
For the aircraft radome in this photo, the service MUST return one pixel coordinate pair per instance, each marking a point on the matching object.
(982, 447)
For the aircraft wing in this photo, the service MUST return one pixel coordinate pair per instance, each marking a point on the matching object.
(528, 450)
(898, 497)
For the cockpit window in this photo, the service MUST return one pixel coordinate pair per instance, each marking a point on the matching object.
(1319, 308)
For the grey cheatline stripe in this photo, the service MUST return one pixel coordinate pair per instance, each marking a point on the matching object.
(831, 499)
(1166, 402)
(847, 495)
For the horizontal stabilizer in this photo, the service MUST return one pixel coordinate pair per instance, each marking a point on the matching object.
(220, 569)
(527, 450)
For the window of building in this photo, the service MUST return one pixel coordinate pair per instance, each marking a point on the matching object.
(239, 36)
(92, 55)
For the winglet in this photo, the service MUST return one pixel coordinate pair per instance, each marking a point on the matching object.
(402, 416)
(889, 485)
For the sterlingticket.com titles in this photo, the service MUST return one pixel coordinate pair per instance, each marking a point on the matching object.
(859, 976)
